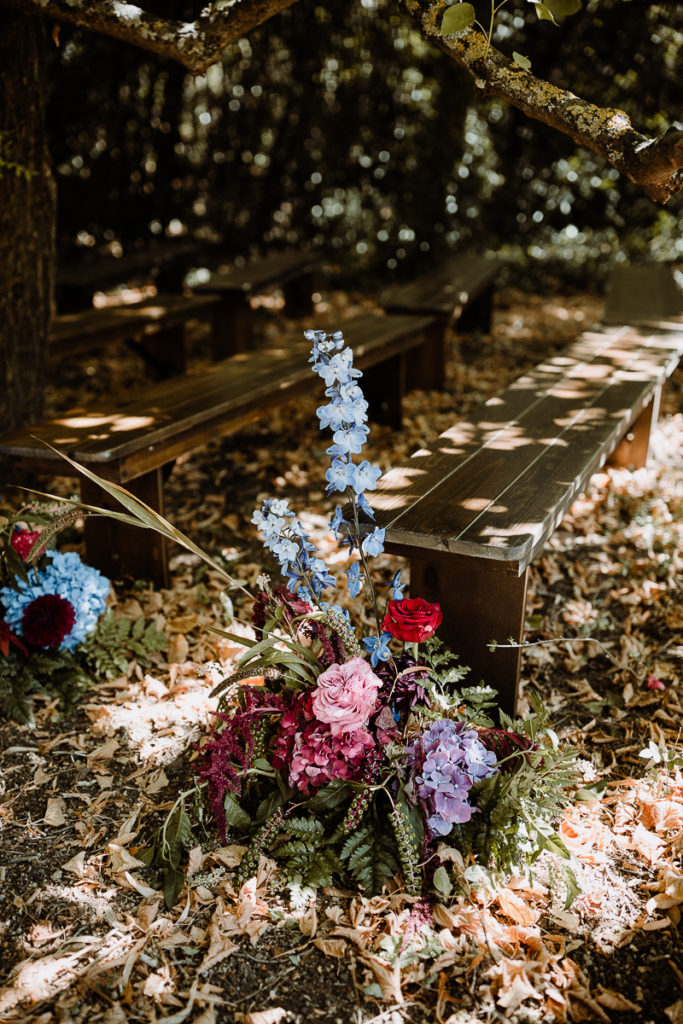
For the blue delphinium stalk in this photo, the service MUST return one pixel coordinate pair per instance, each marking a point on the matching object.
(346, 415)
(307, 576)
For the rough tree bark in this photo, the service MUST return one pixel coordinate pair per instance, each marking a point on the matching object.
(654, 164)
(27, 218)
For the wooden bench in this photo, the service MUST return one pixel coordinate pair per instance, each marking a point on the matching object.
(129, 441)
(165, 264)
(457, 292)
(648, 293)
(292, 271)
(473, 511)
(154, 327)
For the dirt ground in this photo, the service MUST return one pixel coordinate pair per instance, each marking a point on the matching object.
(84, 936)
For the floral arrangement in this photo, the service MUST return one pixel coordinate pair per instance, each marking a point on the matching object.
(50, 602)
(353, 751)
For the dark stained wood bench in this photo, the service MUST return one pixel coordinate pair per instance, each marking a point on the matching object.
(473, 511)
(130, 441)
(165, 264)
(291, 271)
(154, 327)
(458, 292)
(645, 293)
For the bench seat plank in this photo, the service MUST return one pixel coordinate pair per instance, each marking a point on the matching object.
(445, 290)
(75, 331)
(176, 415)
(259, 274)
(512, 482)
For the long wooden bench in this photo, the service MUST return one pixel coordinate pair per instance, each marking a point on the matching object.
(457, 292)
(291, 271)
(473, 511)
(130, 441)
(165, 264)
(154, 327)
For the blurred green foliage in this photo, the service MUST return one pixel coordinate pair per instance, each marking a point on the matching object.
(339, 127)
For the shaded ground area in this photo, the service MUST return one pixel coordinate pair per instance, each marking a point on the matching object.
(84, 936)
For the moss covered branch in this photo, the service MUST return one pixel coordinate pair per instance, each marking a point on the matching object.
(654, 164)
(196, 44)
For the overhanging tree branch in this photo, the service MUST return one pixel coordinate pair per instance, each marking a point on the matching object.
(654, 164)
(196, 44)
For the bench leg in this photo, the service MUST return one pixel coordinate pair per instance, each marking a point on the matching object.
(632, 451)
(477, 315)
(164, 353)
(117, 549)
(297, 293)
(383, 387)
(479, 605)
(428, 361)
(232, 325)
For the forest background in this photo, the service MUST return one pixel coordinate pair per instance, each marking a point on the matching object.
(340, 128)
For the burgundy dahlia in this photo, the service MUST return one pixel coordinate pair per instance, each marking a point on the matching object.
(47, 620)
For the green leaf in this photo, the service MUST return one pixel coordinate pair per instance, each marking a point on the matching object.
(592, 794)
(329, 797)
(176, 837)
(457, 18)
(442, 883)
(563, 8)
(174, 880)
(543, 12)
(525, 64)
(234, 815)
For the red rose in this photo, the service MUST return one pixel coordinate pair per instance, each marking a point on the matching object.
(412, 620)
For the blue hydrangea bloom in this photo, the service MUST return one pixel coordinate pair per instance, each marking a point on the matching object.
(449, 758)
(83, 587)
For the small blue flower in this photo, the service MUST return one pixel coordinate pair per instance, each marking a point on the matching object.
(337, 521)
(351, 439)
(364, 506)
(339, 475)
(377, 648)
(354, 580)
(396, 587)
(365, 477)
(373, 544)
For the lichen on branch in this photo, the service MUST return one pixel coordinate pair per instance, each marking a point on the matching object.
(654, 164)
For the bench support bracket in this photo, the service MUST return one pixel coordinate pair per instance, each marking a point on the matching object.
(479, 605)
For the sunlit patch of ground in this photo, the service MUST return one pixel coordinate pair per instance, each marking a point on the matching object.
(85, 938)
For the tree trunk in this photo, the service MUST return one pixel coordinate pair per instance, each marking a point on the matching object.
(27, 219)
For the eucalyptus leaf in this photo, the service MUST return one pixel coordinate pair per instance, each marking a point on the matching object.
(457, 18)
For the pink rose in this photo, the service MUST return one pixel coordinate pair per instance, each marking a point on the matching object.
(345, 696)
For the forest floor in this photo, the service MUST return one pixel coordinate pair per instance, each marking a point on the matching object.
(83, 935)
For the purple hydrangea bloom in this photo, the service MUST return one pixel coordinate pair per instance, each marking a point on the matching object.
(448, 759)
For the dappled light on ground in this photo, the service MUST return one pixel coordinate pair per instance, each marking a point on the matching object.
(86, 937)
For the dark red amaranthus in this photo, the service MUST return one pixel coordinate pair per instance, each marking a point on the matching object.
(231, 748)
